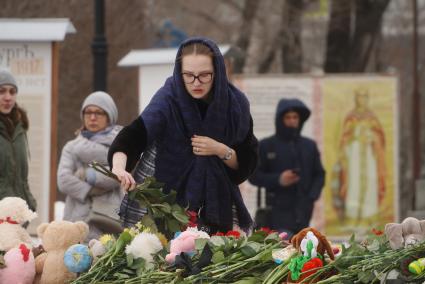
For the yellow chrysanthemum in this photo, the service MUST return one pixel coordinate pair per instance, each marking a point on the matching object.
(140, 226)
(162, 239)
(104, 239)
(132, 231)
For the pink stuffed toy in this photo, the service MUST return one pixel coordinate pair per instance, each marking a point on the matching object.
(185, 242)
(20, 266)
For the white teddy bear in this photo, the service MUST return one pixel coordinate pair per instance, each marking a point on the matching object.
(14, 212)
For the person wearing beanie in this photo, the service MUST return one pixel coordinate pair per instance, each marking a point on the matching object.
(13, 143)
(87, 191)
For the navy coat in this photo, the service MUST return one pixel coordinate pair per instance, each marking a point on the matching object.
(292, 206)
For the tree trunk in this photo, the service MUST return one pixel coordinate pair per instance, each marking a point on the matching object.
(243, 41)
(291, 45)
(338, 39)
(367, 28)
(354, 27)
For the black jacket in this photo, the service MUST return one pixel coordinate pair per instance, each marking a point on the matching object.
(292, 206)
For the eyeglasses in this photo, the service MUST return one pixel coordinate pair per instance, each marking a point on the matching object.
(95, 113)
(203, 78)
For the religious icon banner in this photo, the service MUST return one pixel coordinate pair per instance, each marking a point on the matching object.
(359, 153)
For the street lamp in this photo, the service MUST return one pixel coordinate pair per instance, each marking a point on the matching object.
(99, 48)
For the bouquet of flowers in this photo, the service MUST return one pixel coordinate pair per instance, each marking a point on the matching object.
(164, 214)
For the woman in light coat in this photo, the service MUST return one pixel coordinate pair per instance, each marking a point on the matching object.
(83, 186)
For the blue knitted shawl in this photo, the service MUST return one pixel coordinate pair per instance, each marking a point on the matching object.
(172, 118)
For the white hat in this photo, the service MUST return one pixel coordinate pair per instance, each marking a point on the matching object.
(105, 102)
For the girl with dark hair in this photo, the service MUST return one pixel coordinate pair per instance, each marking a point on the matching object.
(13, 143)
(203, 134)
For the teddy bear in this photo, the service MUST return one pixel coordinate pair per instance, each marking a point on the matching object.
(312, 246)
(14, 212)
(19, 266)
(408, 232)
(56, 238)
(184, 242)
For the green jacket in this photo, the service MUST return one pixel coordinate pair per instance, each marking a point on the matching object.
(14, 165)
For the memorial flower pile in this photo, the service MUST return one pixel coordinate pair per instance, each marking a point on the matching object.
(166, 247)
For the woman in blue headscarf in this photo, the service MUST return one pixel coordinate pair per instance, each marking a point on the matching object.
(202, 130)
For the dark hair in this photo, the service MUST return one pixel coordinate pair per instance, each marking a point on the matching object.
(15, 116)
(196, 48)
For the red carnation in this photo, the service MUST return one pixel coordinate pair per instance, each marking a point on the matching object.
(377, 232)
(235, 234)
(193, 218)
(267, 230)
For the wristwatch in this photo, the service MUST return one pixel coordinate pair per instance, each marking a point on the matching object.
(228, 154)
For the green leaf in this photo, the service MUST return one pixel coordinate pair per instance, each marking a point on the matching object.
(157, 213)
(119, 275)
(173, 225)
(138, 263)
(200, 244)
(140, 271)
(180, 216)
(165, 207)
(218, 257)
(217, 242)
(148, 222)
(366, 276)
(273, 237)
(122, 241)
(130, 259)
(153, 194)
(374, 246)
(251, 249)
(267, 256)
(170, 198)
(258, 236)
(142, 203)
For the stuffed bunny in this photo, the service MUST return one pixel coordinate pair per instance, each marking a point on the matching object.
(408, 232)
(312, 245)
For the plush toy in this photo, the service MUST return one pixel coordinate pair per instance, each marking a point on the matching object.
(408, 232)
(312, 246)
(418, 266)
(97, 249)
(56, 238)
(14, 212)
(20, 266)
(284, 254)
(184, 242)
(78, 258)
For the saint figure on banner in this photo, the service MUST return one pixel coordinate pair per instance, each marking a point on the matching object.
(358, 177)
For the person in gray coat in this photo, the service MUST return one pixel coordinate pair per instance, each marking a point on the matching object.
(83, 186)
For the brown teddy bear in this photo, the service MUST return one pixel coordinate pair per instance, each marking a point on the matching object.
(408, 232)
(312, 245)
(56, 238)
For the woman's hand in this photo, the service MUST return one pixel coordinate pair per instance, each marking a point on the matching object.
(206, 146)
(127, 181)
(119, 160)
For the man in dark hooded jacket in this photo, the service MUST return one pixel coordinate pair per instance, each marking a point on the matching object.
(290, 169)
